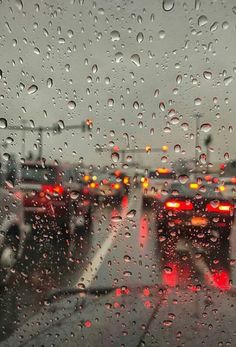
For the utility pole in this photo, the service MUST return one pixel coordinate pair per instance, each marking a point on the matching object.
(207, 142)
(84, 126)
(197, 119)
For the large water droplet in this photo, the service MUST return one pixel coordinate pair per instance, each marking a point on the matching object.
(118, 57)
(140, 37)
(162, 34)
(183, 179)
(19, 4)
(177, 148)
(131, 214)
(135, 58)
(198, 101)
(110, 102)
(115, 157)
(32, 89)
(49, 82)
(202, 20)
(168, 5)
(228, 80)
(214, 27)
(61, 124)
(206, 127)
(94, 68)
(3, 123)
(226, 156)
(115, 35)
(71, 105)
(162, 106)
(207, 75)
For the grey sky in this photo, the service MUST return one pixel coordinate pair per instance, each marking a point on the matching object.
(63, 40)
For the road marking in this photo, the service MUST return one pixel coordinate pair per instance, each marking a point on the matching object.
(90, 272)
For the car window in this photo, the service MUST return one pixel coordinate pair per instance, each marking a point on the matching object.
(118, 159)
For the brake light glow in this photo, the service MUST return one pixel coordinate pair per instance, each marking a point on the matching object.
(53, 189)
(115, 186)
(222, 207)
(178, 205)
(94, 185)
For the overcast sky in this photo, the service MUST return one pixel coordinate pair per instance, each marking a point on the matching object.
(138, 71)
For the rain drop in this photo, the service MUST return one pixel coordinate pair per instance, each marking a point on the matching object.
(110, 102)
(207, 75)
(19, 4)
(71, 105)
(115, 157)
(198, 101)
(115, 35)
(32, 89)
(168, 5)
(183, 179)
(3, 123)
(135, 58)
(202, 20)
(140, 37)
(206, 127)
(49, 82)
(228, 80)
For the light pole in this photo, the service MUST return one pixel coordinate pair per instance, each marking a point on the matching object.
(197, 118)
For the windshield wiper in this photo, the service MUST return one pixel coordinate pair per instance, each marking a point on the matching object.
(64, 292)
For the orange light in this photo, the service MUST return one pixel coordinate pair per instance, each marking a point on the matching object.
(116, 186)
(193, 185)
(126, 180)
(172, 204)
(163, 170)
(222, 188)
(86, 178)
(233, 179)
(92, 185)
(117, 173)
(145, 184)
(208, 177)
(148, 149)
(165, 148)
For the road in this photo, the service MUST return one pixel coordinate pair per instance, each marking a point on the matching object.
(120, 249)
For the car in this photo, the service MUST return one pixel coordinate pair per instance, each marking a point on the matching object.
(52, 194)
(107, 186)
(199, 214)
(154, 182)
(13, 229)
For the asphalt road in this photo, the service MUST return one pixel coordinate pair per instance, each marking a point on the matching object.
(120, 249)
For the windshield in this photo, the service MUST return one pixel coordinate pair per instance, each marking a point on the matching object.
(118, 162)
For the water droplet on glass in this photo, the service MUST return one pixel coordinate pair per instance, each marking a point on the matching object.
(162, 106)
(118, 57)
(168, 269)
(116, 219)
(183, 179)
(32, 89)
(156, 93)
(127, 258)
(94, 68)
(214, 27)
(36, 50)
(228, 80)
(71, 105)
(19, 4)
(49, 82)
(9, 140)
(174, 120)
(115, 157)
(74, 195)
(184, 126)
(167, 323)
(206, 127)
(197, 5)
(226, 156)
(6, 156)
(131, 214)
(202, 20)
(162, 34)
(198, 101)
(110, 102)
(3, 123)
(115, 35)
(177, 148)
(179, 79)
(135, 58)
(207, 75)
(168, 5)
(140, 37)
(61, 124)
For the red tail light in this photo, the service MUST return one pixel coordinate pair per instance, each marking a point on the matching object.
(53, 189)
(178, 205)
(221, 207)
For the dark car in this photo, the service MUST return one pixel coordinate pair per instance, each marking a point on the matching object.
(199, 214)
(51, 194)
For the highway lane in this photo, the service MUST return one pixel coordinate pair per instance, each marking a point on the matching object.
(120, 249)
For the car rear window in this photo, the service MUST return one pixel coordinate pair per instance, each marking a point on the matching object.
(37, 174)
(206, 191)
